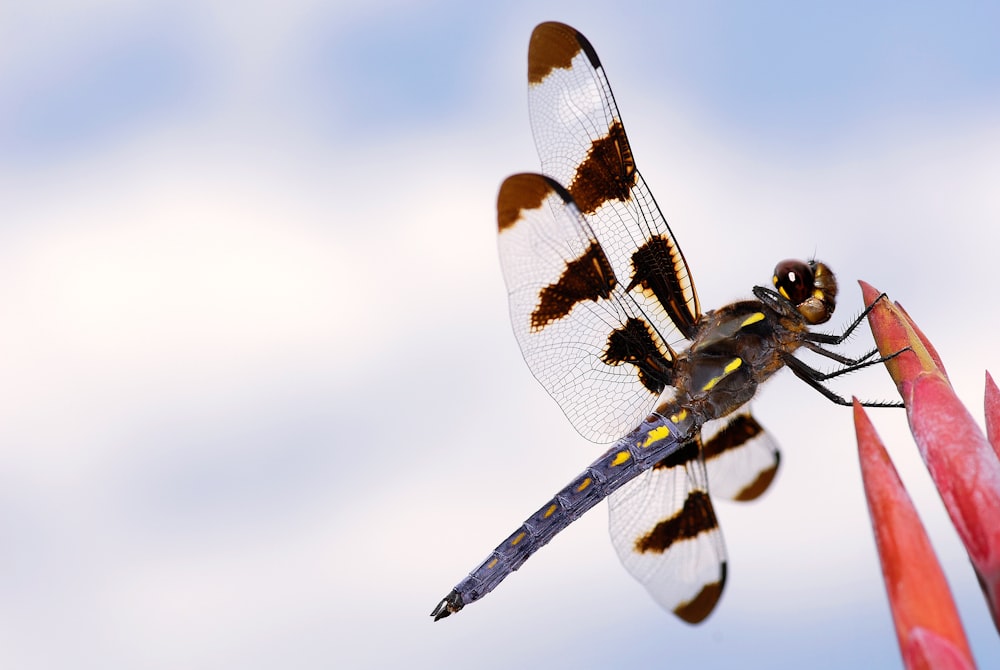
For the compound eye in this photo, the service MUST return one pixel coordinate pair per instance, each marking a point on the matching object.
(794, 280)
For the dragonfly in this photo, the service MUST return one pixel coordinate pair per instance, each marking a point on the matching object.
(601, 297)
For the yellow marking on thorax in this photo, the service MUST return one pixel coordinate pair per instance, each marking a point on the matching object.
(655, 435)
(752, 319)
(620, 457)
(516, 540)
(550, 511)
(726, 371)
(680, 416)
(584, 484)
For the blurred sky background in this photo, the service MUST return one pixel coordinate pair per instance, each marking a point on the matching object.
(260, 405)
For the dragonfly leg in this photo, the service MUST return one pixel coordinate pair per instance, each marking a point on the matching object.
(828, 338)
(815, 379)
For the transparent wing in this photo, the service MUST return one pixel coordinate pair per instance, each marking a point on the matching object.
(740, 456)
(583, 336)
(666, 534)
(582, 144)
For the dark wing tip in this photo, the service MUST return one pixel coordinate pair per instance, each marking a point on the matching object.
(524, 191)
(697, 609)
(553, 45)
(758, 486)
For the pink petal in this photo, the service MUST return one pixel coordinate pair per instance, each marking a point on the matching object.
(893, 331)
(992, 409)
(929, 650)
(927, 625)
(923, 339)
(962, 463)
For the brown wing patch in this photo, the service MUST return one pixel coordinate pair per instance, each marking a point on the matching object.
(753, 490)
(633, 343)
(588, 277)
(657, 266)
(681, 457)
(737, 433)
(607, 173)
(517, 193)
(699, 607)
(697, 516)
(553, 45)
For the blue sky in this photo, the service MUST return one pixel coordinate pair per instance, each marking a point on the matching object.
(260, 404)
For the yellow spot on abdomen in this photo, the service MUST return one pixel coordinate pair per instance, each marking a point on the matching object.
(620, 457)
(752, 319)
(491, 563)
(551, 510)
(680, 416)
(516, 540)
(655, 435)
(584, 484)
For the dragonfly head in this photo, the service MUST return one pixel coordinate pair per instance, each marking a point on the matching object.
(810, 286)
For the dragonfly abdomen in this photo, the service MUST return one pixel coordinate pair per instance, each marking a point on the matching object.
(656, 438)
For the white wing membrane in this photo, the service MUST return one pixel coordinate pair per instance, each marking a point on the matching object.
(582, 144)
(740, 456)
(665, 532)
(565, 302)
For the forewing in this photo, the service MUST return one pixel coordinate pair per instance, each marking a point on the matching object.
(666, 534)
(582, 144)
(582, 335)
(740, 456)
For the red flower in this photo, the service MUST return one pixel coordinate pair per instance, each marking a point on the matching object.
(966, 470)
(927, 624)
